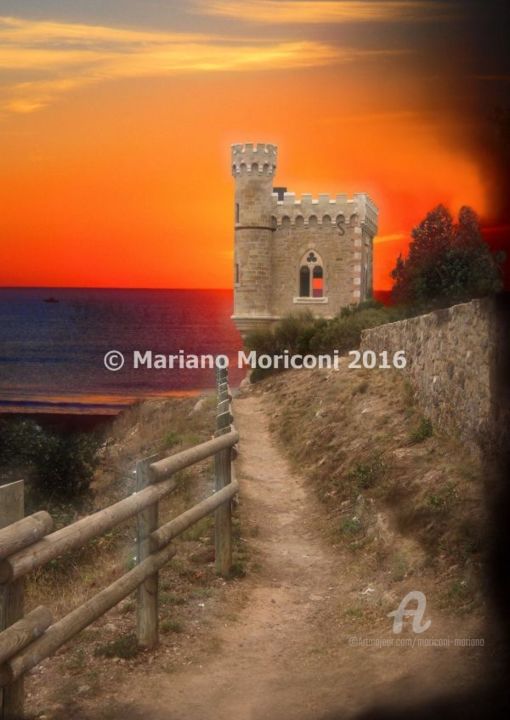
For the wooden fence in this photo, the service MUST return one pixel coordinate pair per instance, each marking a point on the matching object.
(29, 543)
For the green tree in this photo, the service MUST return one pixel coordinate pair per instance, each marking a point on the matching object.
(447, 263)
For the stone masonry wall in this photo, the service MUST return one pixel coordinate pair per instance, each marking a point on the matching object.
(303, 224)
(291, 243)
(450, 355)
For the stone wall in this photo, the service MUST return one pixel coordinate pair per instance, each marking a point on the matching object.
(451, 356)
(291, 244)
(340, 231)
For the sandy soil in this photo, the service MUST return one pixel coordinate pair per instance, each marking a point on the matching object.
(288, 653)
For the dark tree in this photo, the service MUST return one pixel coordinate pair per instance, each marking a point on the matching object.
(448, 262)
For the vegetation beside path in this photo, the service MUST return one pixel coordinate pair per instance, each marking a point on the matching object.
(406, 500)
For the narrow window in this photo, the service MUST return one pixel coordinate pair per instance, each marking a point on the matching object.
(237, 280)
(304, 281)
(366, 290)
(237, 212)
(317, 282)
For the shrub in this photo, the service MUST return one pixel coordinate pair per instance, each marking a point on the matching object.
(366, 474)
(351, 526)
(302, 334)
(63, 464)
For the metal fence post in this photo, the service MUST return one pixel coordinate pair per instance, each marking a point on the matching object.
(12, 508)
(147, 606)
(223, 476)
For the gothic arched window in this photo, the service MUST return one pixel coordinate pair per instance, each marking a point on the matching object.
(311, 275)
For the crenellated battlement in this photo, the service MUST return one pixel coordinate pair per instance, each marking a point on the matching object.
(254, 157)
(358, 210)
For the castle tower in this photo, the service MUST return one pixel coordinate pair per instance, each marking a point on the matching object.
(295, 254)
(253, 169)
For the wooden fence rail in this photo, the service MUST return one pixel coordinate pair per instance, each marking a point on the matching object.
(27, 543)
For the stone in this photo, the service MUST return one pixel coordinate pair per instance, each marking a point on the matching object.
(199, 405)
(450, 358)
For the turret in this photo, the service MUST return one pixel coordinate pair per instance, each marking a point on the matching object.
(253, 169)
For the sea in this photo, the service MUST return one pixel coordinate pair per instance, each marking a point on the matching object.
(53, 342)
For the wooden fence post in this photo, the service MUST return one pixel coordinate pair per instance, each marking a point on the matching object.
(12, 508)
(147, 608)
(223, 515)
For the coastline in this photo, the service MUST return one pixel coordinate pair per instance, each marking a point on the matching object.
(83, 405)
(64, 422)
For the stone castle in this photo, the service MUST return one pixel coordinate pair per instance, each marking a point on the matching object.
(293, 254)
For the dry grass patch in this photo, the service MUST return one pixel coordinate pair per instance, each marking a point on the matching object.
(405, 498)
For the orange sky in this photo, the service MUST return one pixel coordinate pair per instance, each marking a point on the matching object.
(117, 174)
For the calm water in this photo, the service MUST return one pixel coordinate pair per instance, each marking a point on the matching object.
(51, 354)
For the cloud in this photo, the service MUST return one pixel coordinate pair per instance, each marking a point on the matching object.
(22, 30)
(326, 11)
(394, 237)
(44, 59)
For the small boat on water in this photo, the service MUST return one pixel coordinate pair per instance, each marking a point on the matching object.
(51, 300)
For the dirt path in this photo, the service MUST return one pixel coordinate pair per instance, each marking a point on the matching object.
(287, 655)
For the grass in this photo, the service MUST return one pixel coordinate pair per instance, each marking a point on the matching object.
(200, 593)
(457, 596)
(351, 526)
(200, 529)
(127, 607)
(125, 647)
(77, 661)
(422, 432)
(171, 626)
(366, 474)
(238, 569)
(399, 568)
(443, 499)
(353, 613)
(170, 440)
(191, 438)
(170, 598)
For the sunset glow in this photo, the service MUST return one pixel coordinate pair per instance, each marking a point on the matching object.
(115, 137)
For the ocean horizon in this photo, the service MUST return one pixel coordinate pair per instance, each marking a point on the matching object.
(53, 341)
